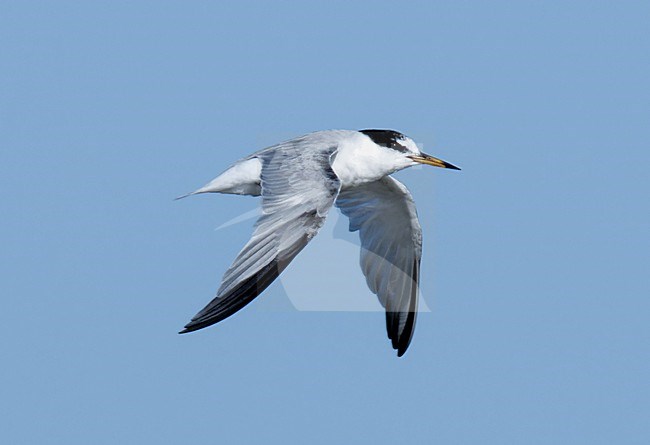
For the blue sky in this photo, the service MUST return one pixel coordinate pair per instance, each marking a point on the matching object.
(536, 255)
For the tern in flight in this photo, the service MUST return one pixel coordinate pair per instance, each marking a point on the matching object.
(299, 181)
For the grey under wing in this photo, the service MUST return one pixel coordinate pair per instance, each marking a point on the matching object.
(391, 248)
(298, 189)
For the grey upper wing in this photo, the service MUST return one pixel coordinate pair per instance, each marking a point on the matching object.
(298, 189)
(391, 247)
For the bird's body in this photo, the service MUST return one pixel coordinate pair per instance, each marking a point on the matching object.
(299, 181)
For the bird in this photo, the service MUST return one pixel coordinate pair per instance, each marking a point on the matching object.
(299, 182)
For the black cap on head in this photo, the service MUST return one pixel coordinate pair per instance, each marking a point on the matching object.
(386, 138)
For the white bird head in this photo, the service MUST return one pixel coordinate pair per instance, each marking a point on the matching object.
(403, 150)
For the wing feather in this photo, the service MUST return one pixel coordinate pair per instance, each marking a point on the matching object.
(391, 247)
(298, 189)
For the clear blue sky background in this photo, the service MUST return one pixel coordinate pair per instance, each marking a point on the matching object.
(536, 254)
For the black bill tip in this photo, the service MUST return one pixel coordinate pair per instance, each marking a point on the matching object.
(450, 166)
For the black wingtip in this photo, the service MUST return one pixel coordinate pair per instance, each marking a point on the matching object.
(189, 328)
(193, 326)
(403, 345)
